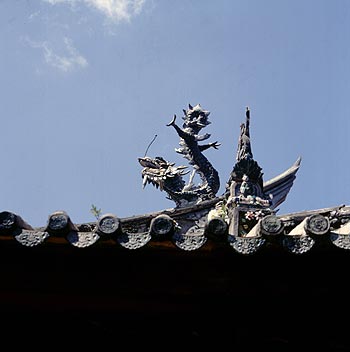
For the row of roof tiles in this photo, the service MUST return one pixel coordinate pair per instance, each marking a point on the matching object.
(297, 233)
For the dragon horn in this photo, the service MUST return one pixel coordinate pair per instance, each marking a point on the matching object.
(172, 121)
(190, 106)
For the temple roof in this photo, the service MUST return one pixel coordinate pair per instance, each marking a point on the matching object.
(196, 228)
(243, 219)
(211, 270)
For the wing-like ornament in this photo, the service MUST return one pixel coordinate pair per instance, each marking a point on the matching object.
(280, 185)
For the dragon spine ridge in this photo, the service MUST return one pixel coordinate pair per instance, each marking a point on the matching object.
(195, 118)
(169, 178)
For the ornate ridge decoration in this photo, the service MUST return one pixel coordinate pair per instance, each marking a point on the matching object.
(247, 199)
(244, 218)
(167, 177)
(245, 185)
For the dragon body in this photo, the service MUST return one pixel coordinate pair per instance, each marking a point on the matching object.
(167, 177)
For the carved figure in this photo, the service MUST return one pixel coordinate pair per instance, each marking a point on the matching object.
(166, 176)
(195, 118)
(245, 185)
(169, 178)
(245, 188)
(244, 150)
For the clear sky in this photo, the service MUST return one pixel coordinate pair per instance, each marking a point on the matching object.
(86, 84)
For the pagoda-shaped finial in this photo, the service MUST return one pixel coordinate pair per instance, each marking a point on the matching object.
(244, 150)
(245, 185)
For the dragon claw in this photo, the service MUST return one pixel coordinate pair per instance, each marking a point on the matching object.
(215, 145)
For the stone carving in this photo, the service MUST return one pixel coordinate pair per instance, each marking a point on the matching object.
(246, 245)
(247, 198)
(82, 239)
(317, 224)
(133, 240)
(30, 238)
(60, 222)
(108, 224)
(7, 221)
(161, 226)
(190, 232)
(341, 237)
(298, 244)
(271, 225)
(244, 150)
(167, 177)
(337, 217)
(245, 185)
(191, 240)
(341, 241)
(10, 222)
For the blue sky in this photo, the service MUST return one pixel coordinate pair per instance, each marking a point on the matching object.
(86, 84)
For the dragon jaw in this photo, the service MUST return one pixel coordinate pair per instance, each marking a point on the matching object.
(158, 171)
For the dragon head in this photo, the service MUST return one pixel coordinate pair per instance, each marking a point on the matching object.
(162, 174)
(195, 118)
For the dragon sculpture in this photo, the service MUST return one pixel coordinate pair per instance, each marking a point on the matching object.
(166, 176)
(245, 186)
